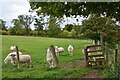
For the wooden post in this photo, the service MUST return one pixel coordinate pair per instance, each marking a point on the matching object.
(18, 66)
(52, 48)
(86, 56)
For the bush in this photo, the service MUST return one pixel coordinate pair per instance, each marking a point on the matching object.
(65, 33)
(3, 32)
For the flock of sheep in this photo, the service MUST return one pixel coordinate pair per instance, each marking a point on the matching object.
(25, 58)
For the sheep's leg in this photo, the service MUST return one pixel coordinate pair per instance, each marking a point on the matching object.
(28, 64)
(53, 64)
(31, 66)
(71, 54)
(49, 63)
(57, 54)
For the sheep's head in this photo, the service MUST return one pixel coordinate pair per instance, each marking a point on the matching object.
(13, 59)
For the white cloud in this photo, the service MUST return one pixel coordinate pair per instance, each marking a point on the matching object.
(10, 9)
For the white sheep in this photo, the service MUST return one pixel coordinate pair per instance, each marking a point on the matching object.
(70, 50)
(22, 59)
(50, 59)
(12, 48)
(9, 57)
(59, 50)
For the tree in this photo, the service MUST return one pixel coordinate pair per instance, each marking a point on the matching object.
(39, 23)
(68, 27)
(73, 33)
(2, 25)
(18, 28)
(26, 21)
(53, 28)
(93, 26)
(111, 9)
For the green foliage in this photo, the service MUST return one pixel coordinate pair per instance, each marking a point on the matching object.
(95, 25)
(65, 33)
(73, 33)
(4, 32)
(22, 23)
(2, 25)
(74, 8)
(53, 28)
(39, 23)
(68, 27)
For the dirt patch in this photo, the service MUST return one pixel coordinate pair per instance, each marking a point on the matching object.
(92, 74)
(80, 63)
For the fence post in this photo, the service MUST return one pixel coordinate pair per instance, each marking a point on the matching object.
(18, 66)
(118, 60)
(103, 44)
(52, 48)
(86, 56)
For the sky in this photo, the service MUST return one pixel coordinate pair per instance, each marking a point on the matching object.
(11, 9)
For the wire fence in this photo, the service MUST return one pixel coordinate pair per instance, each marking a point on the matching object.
(112, 58)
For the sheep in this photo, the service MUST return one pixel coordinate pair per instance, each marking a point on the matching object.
(59, 50)
(9, 57)
(50, 59)
(22, 59)
(12, 48)
(70, 50)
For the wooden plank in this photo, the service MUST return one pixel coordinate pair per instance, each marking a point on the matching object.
(97, 55)
(94, 51)
(93, 46)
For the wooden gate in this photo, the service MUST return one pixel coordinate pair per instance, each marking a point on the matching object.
(94, 56)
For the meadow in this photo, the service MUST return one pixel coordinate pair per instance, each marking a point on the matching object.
(36, 47)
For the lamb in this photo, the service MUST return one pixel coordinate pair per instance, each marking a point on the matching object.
(23, 59)
(59, 50)
(13, 48)
(50, 59)
(70, 50)
(9, 57)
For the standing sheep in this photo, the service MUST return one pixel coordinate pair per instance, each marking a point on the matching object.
(23, 59)
(59, 50)
(50, 59)
(70, 50)
(13, 48)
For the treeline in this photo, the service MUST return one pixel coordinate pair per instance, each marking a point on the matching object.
(47, 27)
(44, 33)
(90, 28)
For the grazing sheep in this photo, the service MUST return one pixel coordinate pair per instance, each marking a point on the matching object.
(50, 59)
(59, 50)
(70, 50)
(23, 59)
(9, 57)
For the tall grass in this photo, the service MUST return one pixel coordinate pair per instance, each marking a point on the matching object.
(36, 47)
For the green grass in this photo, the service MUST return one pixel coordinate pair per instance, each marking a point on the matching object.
(36, 47)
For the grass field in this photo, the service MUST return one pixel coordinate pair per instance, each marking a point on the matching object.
(36, 47)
